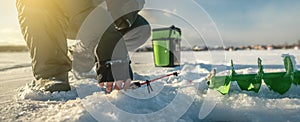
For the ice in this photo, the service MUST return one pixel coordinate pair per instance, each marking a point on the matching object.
(173, 99)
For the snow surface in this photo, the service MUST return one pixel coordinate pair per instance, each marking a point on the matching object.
(173, 99)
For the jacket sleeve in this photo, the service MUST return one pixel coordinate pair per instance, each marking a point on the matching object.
(112, 57)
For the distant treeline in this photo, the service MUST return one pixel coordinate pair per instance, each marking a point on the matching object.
(230, 48)
(19, 48)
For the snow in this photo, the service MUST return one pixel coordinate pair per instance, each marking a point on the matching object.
(179, 98)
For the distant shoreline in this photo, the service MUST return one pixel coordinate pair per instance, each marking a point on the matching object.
(23, 48)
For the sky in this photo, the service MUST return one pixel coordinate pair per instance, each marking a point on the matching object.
(10, 33)
(255, 21)
(239, 22)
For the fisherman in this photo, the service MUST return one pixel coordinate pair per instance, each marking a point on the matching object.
(47, 24)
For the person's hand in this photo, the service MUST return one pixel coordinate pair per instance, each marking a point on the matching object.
(119, 85)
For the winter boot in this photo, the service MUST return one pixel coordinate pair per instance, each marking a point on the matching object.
(57, 83)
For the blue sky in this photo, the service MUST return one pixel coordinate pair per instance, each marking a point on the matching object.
(240, 22)
(255, 21)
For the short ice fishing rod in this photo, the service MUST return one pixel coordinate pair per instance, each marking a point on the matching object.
(136, 85)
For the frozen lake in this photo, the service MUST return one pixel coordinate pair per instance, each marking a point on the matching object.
(173, 99)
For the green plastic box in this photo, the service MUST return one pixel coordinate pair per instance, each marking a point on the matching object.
(166, 46)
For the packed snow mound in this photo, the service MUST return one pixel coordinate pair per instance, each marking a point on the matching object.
(137, 105)
(170, 99)
(27, 93)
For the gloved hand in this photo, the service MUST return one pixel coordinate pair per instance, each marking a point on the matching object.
(114, 71)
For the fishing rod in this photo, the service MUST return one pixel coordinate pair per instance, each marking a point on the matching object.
(136, 85)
